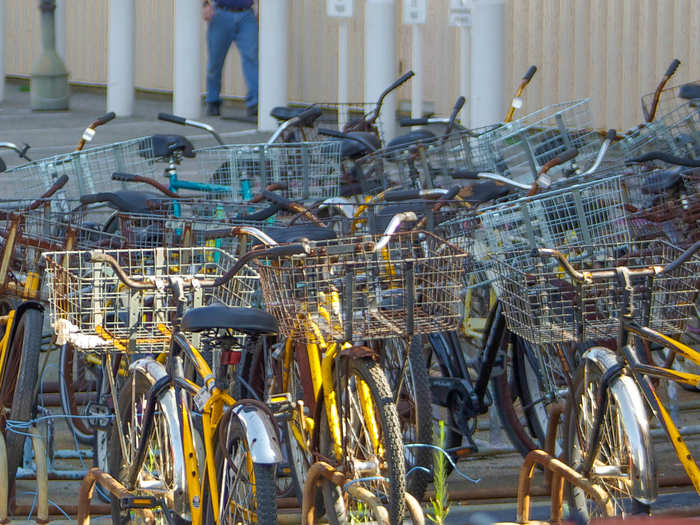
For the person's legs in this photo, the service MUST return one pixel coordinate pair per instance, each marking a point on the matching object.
(220, 33)
(247, 42)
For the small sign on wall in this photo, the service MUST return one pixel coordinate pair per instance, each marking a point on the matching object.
(339, 8)
(415, 11)
(460, 13)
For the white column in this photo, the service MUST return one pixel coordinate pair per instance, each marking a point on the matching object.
(417, 66)
(120, 45)
(187, 63)
(342, 72)
(487, 63)
(60, 15)
(273, 58)
(464, 64)
(2, 50)
(381, 59)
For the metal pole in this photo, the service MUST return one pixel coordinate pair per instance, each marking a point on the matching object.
(187, 67)
(120, 75)
(487, 63)
(61, 29)
(464, 64)
(381, 59)
(417, 82)
(273, 59)
(49, 80)
(342, 72)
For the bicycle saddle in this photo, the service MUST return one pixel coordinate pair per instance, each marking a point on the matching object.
(297, 232)
(245, 320)
(123, 200)
(164, 145)
(410, 138)
(689, 91)
(284, 113)
(661, 181)
(352, 148)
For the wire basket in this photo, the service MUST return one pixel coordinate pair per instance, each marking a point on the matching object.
(525, 145)
(676, 132)
(344, 291)
(26, 234)
(543, 305)
(89, 170)
(584, 213)
(309, 170)
(670, 99)
(90, 307)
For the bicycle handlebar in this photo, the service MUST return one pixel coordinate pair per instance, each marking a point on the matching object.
(648, 117)
(453, 116)
(530, 73)
(396, 221)
(176, 119)
(104, 119)
(406, 195)
(541, 180)
(665, 157)
(129, 177)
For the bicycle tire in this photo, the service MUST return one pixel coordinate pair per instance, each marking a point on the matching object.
(164, 437)
(629, 458)
(346, 375)
(414, 407)
(261, 493)
(19, 383)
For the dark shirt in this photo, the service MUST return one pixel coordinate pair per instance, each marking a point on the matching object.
(234, 4)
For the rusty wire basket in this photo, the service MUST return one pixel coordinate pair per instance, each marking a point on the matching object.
(90, 307)
(544, 305)
(26, 234)
(346, 291)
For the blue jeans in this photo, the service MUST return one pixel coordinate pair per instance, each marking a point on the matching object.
(223, 29)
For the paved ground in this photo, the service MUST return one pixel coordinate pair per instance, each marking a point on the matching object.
(51, 133)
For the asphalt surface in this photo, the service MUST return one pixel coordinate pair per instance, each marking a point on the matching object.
(54, 132)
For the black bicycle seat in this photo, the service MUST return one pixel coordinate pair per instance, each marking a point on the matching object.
(130, 201)
(284, 113)
(410, 138)
(245, 320)
(353, 149)
(661, 181)
(164, 145)
(689, 91)
(296, 232)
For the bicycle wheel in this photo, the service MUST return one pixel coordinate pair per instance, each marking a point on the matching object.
(351, 375)
(414, 406)
(162, 471)
(19, 384)
(247, 490)
(624, 463)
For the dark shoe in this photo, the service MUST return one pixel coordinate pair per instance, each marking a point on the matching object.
(213, 109)
(252, 111)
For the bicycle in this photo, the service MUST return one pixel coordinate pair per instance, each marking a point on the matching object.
(623, 298)
(122, 301)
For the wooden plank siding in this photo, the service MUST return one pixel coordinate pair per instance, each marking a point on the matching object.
(612, 51)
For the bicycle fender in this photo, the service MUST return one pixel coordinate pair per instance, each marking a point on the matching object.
(345, 206)
(19, 311)
(261, 433)
(633, 414)
(154, 371)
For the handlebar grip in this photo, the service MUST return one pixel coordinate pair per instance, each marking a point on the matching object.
(665, 157)
(399, 81)
(60, 182)
(565, 156)
(405, 122)
(611, 134)
(451, 193)
(287, 250)
(105, 118)
(530, 73)
(124, 177)
(277, 199)
(465, 174)
(401, 195)
(169, 117)
(672, 67)
(683, 257)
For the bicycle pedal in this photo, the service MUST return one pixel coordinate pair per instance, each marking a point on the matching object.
(281, 406)
(139, 502)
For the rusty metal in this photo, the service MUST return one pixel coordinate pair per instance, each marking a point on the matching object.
(561, 472)
(550, 443)
(87, 487)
